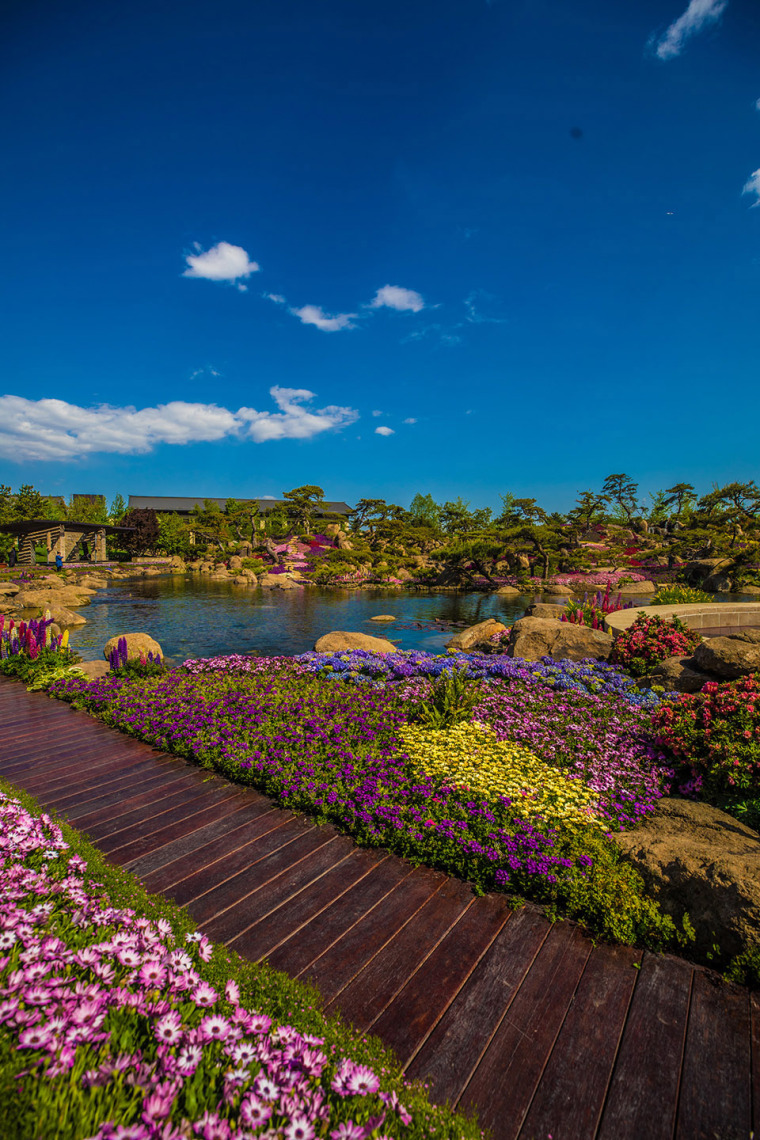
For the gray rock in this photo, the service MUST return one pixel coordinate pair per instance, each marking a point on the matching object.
(631, 589)
(697, 860)
(545, 610)
(730, 657)
(471, 637)
(679, 675)
(507, 591)
(383, 617)
(340, 640)
(533, 638)
(138, 645)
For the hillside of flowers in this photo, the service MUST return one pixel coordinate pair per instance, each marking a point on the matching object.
(552, 758)
(120, 1024)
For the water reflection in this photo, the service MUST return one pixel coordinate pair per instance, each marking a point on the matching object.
(193, 617)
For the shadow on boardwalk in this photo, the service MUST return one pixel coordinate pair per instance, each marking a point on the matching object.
(527, 1021)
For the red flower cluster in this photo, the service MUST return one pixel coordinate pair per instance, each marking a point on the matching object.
(717, 731)
(651, 640)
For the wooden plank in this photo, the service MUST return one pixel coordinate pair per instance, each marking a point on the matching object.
(143, 834)
(408, 1020)
(269, 931)
(211, 851)
(88, 764)
(232, 894)
(293, 880)
(643, 1095)
(200, 847)
(266, 835)
(105, 820)
(504, 1082)
(339, 965)
(570, 1096)
(20, 747)
(374, 988)
(110, 788)
(453, 1050)
(716, 1086)
(296, 953)
(754, 1004)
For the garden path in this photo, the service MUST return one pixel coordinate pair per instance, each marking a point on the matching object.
(545, 1034)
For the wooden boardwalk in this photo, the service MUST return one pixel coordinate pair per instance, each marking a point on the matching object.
(545, 1034)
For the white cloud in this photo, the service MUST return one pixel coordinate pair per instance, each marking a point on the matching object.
(327, 322)
(56, 430)
(394, 297)
(436, 333)
(757, 105)
(383, 430)
(410, 420)
(377, 413)
(293, 421)
(276, 297)
(698, 15)
(752, 186)
(223, 262)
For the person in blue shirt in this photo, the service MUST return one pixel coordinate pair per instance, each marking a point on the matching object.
(58, 562)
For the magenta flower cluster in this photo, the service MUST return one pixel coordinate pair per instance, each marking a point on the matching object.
(117, 1031)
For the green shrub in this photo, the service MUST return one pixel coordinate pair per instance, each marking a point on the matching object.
(452, 698)
(675, 594)
(49, 663)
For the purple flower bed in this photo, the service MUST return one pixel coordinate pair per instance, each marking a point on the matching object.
(111, 1029)
(602, 740)
(333, 751)
(361, 667)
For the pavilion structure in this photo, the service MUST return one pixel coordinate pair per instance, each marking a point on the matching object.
(69, 539)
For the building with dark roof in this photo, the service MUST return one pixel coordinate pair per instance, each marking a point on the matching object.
(184, 505)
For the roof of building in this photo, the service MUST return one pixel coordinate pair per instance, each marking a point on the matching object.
(34, 526)
(180, 504)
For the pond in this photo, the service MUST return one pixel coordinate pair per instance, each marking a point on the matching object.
(194, 617)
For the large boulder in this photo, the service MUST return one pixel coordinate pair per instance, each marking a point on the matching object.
(560, 591)
(93, 670)
(550, 610)
(7, 589)
(277, 582)
(138, 645)
(508, 592)
(678, 675)
(340, 640)
(236, 562)
(40, 600)
(533, 638)
(730, 657)
(65, 617)
(697, 860)
(383, 617)
(636, 588)
(92, 582)
(474, 635)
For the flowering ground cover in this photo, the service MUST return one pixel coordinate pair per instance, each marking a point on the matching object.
(119, 1022)
(338, 753)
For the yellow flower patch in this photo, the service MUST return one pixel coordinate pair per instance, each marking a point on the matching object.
(470, 756)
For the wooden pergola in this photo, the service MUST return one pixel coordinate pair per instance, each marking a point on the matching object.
(64, 538)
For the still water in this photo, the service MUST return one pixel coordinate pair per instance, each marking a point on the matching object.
(193, 617)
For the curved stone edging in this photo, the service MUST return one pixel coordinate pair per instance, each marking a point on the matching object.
(704, 615)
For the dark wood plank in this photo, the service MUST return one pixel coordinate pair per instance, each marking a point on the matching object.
(143, 835)
(265, 835)
(88, 765)
(56, 740)
(453, 1050)
(408, 1020)
(201, 847)
(293, 880)
(110, 825)
(109, 819)
(504, 1082)
(570, 1097)
(297, 953)
(754, 1002)
(267, 933)
(333, 971)
(715, 1098)
(173, 828)
(110, 788)
(643, 1095)
(233, 894)
(374, 988)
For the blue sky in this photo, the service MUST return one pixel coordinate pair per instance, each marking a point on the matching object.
(460, 247)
